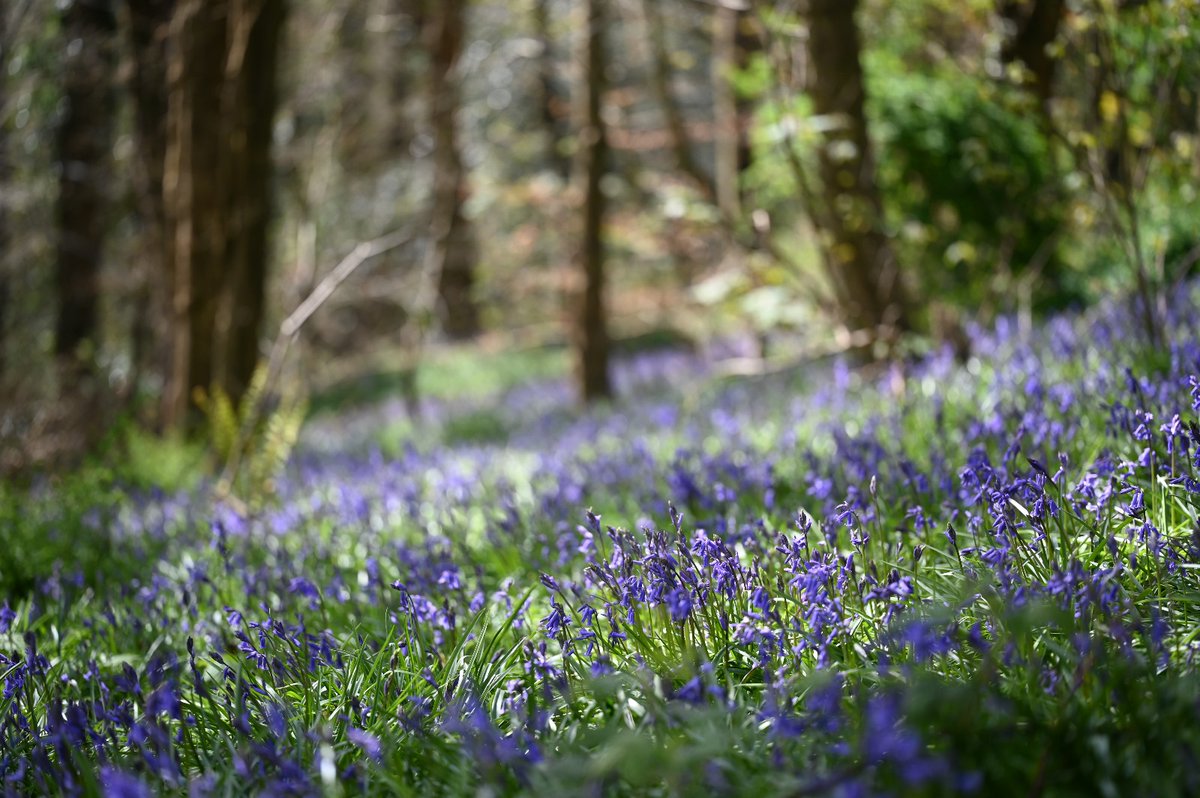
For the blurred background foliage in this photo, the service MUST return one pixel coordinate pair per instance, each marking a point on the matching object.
(1015, 157)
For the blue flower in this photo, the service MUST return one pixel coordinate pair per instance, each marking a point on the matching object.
(7, 616)
(679, 603)
(118, 784)
(557, 621)
(368, 742)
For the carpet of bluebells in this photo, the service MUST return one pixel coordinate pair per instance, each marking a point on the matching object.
(935, 578)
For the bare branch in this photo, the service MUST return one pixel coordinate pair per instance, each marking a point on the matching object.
(362, 253)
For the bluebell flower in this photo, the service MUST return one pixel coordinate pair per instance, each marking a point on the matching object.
(557, 621)
(7, 616)
(368, 742)
(115, 783)
(679, 603)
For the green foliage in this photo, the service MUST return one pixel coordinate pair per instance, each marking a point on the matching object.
(143, 461)
(452, 372)
(996, 203)
(480, 426)
(778, 125)
(1126, 114)
(58, 529)
(476, 372)
(659, 338)
(58, 525)
(253, 441)
(968, 179)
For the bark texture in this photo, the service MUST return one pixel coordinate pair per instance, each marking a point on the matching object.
(862, 266)
(221, 103)
(84, 144)
(552, 101)
(1031, 26)
(591, 328)
(251, 99)
(147, 25)
(454, 250)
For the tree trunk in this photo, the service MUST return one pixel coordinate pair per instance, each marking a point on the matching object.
(216, 182)
(250, 102)
(660, 83)
(591, 324)
(551, 99)
(370, 125)
(725, 111)
(1031, 26)
(5, 212)
(453, 239)
(192, 198)
(148, 23)
(747, 42)
(861, 264)
(84, 140)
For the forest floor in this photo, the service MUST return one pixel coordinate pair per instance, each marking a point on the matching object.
(941, 578)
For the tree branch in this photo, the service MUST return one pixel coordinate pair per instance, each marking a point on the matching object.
(288, 330)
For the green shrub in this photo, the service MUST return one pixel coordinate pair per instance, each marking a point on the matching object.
(969, 184)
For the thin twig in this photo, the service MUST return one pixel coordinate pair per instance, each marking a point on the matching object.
(357, 257)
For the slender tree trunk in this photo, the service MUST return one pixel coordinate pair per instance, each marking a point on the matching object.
(453, 239)
(148, 23)
(747, 42)
(551, 99)
(250, 102)
(368, 65)
(354, 112)
(863, 269)
(5, 211)
(660, 83)
(84, 140)
(725, 111)
(592, 323)
(1031, 26)
(407, 19)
